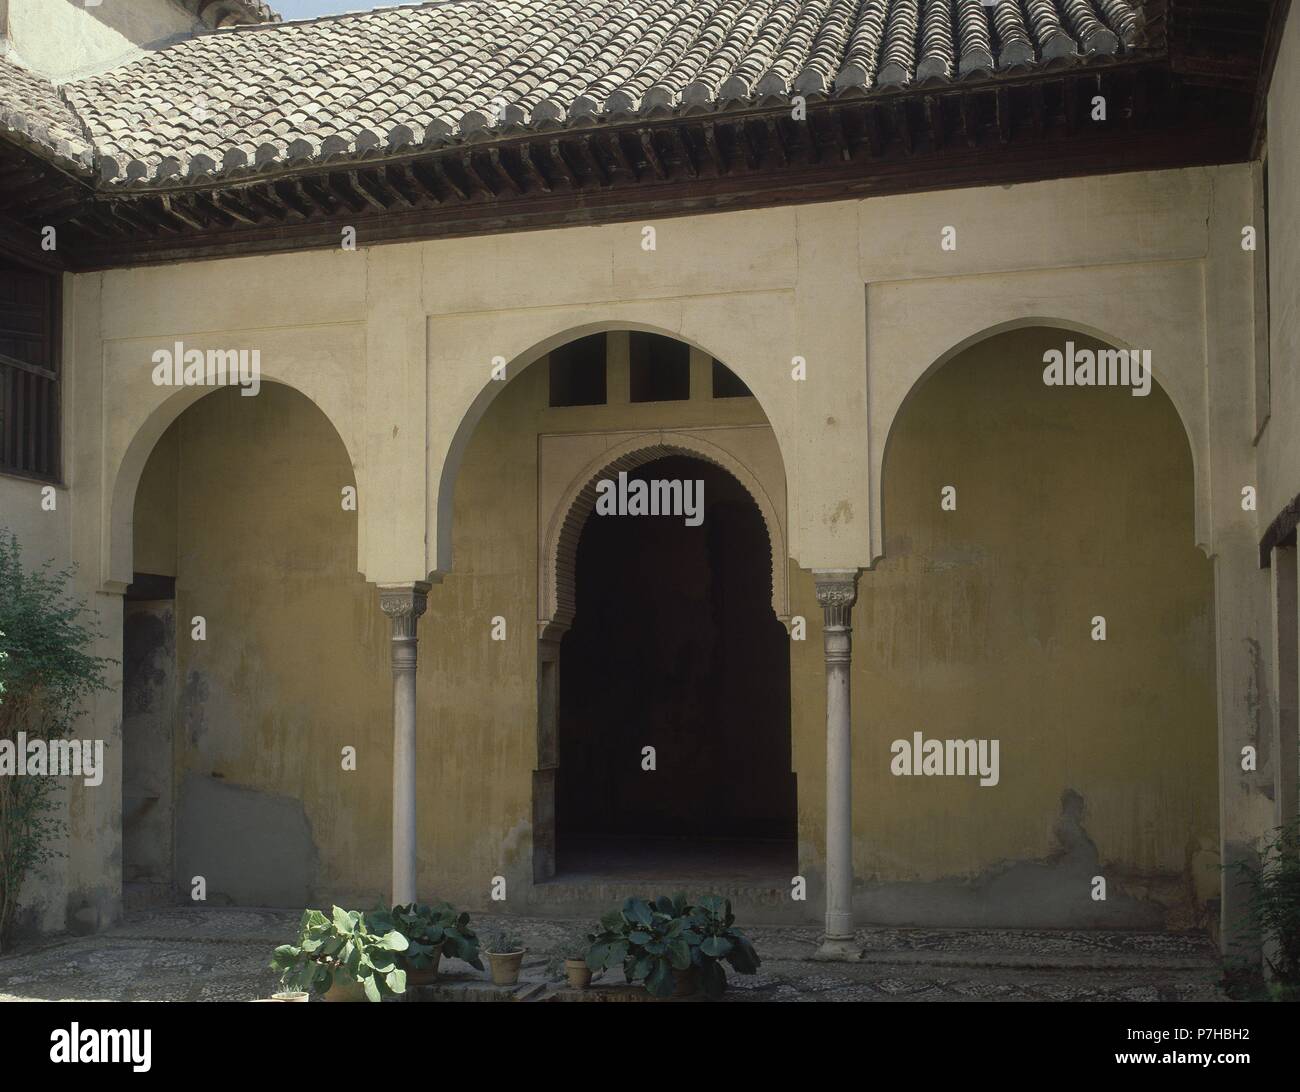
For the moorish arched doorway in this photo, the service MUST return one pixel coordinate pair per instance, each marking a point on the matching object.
(674, 647)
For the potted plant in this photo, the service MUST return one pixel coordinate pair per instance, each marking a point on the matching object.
(575, 949)
(291, 995)
(720, 942)
(650, 940)
(431, 932)
(342, 958)
(505, 953)
(673, 945)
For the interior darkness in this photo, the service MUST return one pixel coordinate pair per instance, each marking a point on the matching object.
(726, 383)
(578, 372)
(675, 646)
(660, 368)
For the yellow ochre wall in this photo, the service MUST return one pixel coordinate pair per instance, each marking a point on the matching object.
(1071, 503)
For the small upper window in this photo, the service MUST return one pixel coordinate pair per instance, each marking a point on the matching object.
(29, 371)
(660, 368)
(578, 372)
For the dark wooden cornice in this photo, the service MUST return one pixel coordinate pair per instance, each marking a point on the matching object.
(1191, 92)
(1009, 128)
(1278, 13)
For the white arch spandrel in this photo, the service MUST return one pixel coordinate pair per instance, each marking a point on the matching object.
(1156, 307)
(745, 334)
(322, 365)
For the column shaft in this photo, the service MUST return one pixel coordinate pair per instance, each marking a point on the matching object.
(404, 604)
(837, 591)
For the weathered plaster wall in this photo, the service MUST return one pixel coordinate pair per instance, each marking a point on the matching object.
(155, 509)
(295, 665)
(395, 346)
(976, 624)
(148, 759)
(43, 534)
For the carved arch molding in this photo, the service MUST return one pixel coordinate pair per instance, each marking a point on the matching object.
(571, 465)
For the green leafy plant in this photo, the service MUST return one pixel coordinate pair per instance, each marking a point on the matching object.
(721, 942)
(503, 942)
(343, 944)
(1274, 886)
(425, 927)
(46, 672)
(650, 940)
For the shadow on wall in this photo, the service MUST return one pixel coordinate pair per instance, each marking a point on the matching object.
(251, 848)
(1023, 894)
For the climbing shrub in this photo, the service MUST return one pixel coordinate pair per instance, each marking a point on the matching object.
(1274, 886)
(46, 671)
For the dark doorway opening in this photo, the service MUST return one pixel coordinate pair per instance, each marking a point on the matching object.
(148, 699)
(675, 646)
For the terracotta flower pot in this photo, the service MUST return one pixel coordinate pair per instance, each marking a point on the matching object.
(505, 966)
(578, 973)
(425, 976)
(345, 988)
(688, 982)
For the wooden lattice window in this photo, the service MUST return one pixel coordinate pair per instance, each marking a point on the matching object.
(29, 371)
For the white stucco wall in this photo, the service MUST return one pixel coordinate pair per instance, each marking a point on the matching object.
(60, 38)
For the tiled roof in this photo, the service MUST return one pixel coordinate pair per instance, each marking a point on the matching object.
(32, 109)
(282, 92)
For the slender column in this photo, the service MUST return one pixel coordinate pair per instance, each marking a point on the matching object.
(404, 603)
(837, 591)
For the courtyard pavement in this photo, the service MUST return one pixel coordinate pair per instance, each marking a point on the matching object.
(199, 954)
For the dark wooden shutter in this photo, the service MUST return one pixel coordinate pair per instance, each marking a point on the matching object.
(29, 372)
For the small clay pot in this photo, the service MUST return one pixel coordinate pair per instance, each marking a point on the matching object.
(505, 966)
(345, 988)
(425, 976)
(578, 973)
(688, 982)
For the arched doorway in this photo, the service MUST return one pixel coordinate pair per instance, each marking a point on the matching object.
(674, 708)
(1041, 590)
(243, 541)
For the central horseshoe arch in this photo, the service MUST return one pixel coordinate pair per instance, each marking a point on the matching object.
(556, 594)
(557, 591)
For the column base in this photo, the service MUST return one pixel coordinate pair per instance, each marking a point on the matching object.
(838, 950)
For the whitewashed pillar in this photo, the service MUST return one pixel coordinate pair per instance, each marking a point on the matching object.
(837, 591)
(404, 603)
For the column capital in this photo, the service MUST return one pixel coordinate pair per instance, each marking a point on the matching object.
(837, 591)
(404, 603)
